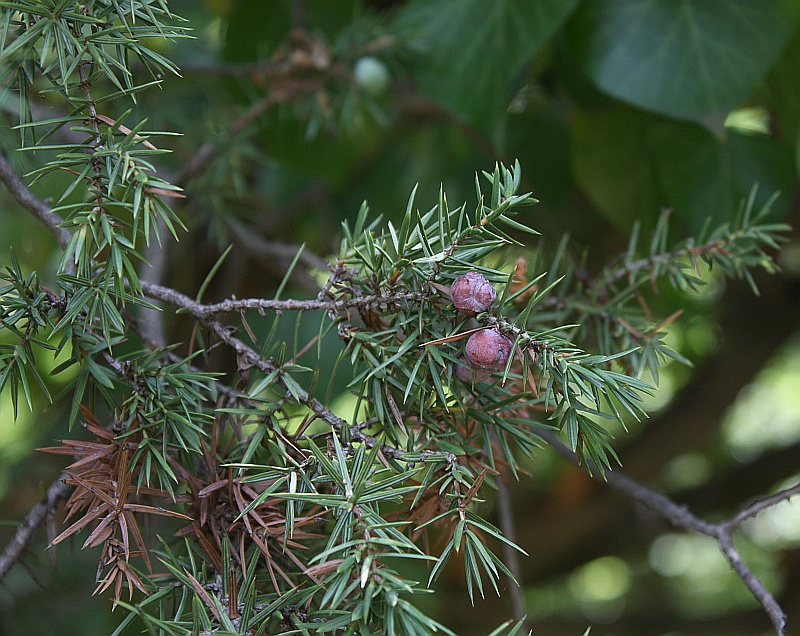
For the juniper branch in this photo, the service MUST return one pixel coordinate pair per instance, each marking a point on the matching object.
(205, 312)
(315, 406)
(679, 516)
(249, 356)
(714, 249)
(682, 517)
(33, 204)
(56, 493)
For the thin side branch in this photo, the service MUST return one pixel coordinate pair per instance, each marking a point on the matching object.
(757, 506)
(206, 312)
(56, 493)
(32, 203)
(510, 555)
(250, 357)
(210, 149)
(682, 517)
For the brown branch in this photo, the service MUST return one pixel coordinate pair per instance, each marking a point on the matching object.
(97, 168)
(92, 108)
(511, 555)
(209, 150)
(57, 492)
(757, 506)
(682, 517)
(249, 356)
(203, 312)
(32, 203)
(775, 612)
(206, 312)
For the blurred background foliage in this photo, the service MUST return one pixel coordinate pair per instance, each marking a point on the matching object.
(615, 109)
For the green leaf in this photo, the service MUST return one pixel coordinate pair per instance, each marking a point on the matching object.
(612, 163)
(690, 59)
(477, 49)
(632, 163)
(782, 86)
(706, 176)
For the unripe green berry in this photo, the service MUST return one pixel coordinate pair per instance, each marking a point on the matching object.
(472, 293)
(371, 75)
(488, 350)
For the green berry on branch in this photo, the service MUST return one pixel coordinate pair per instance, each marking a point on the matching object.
(371, 75)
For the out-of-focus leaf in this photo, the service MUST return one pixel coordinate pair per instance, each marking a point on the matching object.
(781, 91)
(476, 49)
(539, 137)
(631, 164)
(704, 176)
(255, 28)
(612, 163)
(797, 154)
(691, 59)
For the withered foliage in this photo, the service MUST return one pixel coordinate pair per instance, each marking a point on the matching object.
(217, 506)
(225, 506)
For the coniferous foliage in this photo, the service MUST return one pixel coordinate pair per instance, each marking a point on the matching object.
(245, 503)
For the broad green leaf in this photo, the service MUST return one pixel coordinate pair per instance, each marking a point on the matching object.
(631, 164)
(704, 176)
(797, 153)
(477, 49)
(781, 90)
(612, 164)
(255, 28)
(690, 59)
(548, 173)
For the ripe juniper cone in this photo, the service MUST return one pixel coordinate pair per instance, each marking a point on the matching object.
(488, 350)
(472, 293)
